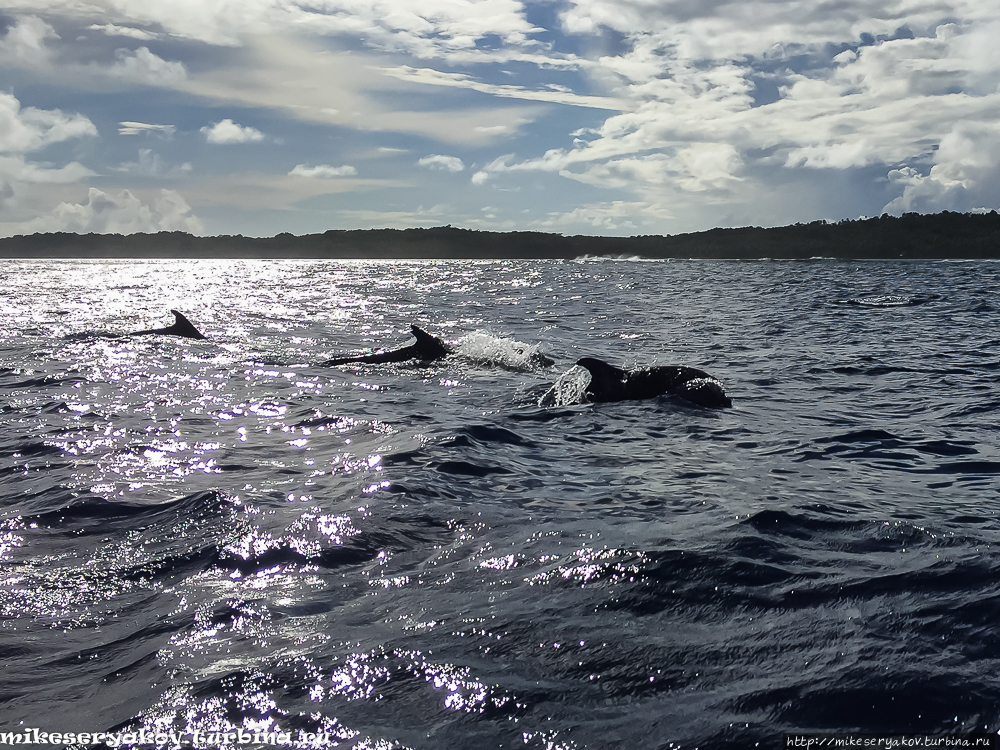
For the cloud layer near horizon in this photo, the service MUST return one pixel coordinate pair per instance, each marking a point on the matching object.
(591, 116)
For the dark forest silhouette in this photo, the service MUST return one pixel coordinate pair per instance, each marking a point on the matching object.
(943, 235)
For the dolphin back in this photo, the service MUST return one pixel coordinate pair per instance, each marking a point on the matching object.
(425, 348)
(376, 358)
(607, 382)
(704, 392)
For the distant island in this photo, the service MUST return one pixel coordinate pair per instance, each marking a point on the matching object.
(943, 235)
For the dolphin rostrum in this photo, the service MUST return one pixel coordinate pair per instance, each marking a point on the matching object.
(610, 383)
(426, 348)
(181, 327)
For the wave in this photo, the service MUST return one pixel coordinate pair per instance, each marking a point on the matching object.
(891, 300)
(619, 259)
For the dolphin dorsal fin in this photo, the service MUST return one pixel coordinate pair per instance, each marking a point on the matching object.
(427, 346)
(600, 369)
(184, 327)
(422, 336)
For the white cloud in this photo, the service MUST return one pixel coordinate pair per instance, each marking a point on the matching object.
(323, 171)
(690, 123)
(227, 131)
(290, 67)
(464, 81)
(967, 160)
(27, 185)
(150, 164)
(442, 163)
(145, 67)
(24, 44)
(423, 28)
(346, 90)
(111, 29)
(121, 213)
(418, 217)
(136, 128)
(30, 129)
(18, 170)
(731, 29)
(697, 168)
(614, 217)
(493, 129)
(256, 191)
(213, 22)
(687, 103)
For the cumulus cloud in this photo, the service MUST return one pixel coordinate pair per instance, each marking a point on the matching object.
(143, 66)
(17, 169)
(24, 183)
(119, 213)
(30, 129)
(227, 131)
(442, 163)
(696, 168)
(28, 44)
(25, 43)
(695, 122)
(323, 171)
(423, 28)
(967, 159)
(669, 105)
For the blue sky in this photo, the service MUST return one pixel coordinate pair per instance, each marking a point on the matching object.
(613, 117)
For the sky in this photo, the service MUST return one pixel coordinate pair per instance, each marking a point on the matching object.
(600, 117)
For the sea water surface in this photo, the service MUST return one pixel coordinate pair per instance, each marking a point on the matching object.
(204, 536)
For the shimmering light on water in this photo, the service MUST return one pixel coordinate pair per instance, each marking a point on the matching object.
(220, 535)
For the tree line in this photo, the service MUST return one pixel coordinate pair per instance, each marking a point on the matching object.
(943, 235)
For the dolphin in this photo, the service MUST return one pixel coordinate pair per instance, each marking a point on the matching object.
(426, 349)
(610, 383)
(181, 327)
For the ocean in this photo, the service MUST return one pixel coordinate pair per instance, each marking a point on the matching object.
(223, 543)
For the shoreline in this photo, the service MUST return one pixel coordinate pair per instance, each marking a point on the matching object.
(946, 235)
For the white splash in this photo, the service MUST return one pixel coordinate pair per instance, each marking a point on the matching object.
(485, 349)
(569, 388)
